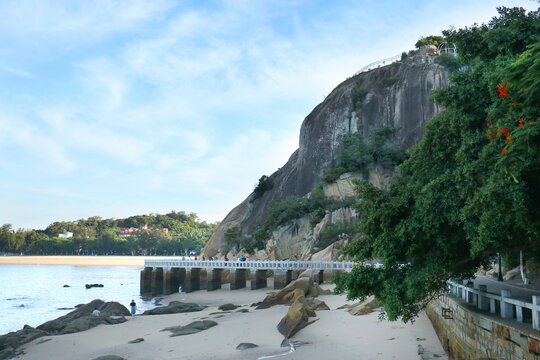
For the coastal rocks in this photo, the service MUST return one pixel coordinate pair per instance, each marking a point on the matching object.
(317, 304)
(288, 294)
(192, 328)
(227, 307)
(12, 340)
(89, 286)
(364, 307)
(297, 317)
(135, 341)
(82, 319)
(175, 307)
(65, 285)
(245, 346)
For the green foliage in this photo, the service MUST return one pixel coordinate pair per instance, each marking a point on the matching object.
(429, 40)
(357, 153)
(282, 212)
(455, 204)
(449, 61)
(332, 232)
(389, 81)
(264, 185)
(358, 96)
(100, 236)
(404, 56)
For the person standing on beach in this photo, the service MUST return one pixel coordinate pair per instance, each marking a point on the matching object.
(133, 308)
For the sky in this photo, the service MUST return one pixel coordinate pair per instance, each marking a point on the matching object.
(115, 108)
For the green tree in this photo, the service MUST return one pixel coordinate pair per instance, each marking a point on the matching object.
(460, 198)
(429, 40)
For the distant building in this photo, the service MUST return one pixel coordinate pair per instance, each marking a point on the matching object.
(65, 235)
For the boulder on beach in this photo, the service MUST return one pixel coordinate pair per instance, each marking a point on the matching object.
(245, 346)
(175, 307)
(364, 307)
(135, 341)
(82, 319)
(317, 304)
(191, 328)
(12, 340)
(227, 307)
(297, 317)
(288, 294)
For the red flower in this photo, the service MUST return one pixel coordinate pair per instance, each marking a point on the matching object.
(502, 130)
(504, 151)
(518, 56)
(530, 122)
(506, 128)
(507, 134)
(515, 103)
(508, 140)
(502, 90)
(488, 138)
(521, 122)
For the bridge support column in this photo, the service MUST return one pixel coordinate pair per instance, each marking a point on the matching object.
(157, 281)
(319, 276)
(193, 280)
(258, 279)
(282, 278)
(213, 279)
(146, 280)
(238, 279)
(203, 276)
(171, 280)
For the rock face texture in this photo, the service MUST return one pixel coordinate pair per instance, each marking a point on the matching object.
(398, 96)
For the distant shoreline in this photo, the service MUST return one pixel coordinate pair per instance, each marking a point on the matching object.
(81, 260)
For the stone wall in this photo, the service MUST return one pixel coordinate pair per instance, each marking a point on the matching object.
(472, 334)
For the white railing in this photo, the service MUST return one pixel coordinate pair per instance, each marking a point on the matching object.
(487, 301)
(255, 265)
(378, 63)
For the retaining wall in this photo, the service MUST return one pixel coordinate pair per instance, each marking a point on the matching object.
(473, 334)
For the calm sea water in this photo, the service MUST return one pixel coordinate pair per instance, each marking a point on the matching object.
(34, 294)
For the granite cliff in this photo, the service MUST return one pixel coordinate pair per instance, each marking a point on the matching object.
(395, 96)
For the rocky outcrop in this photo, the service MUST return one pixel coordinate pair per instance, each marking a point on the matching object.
(297, 317)
(365, 307)
(175, 307)
(11, 341)
(191, 328)
(403, 104)
(82, 319)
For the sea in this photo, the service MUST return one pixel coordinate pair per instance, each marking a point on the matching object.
(34, 294)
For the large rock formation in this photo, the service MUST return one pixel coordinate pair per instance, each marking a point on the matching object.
(398, 96)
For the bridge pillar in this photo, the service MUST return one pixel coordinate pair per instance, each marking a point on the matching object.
(157, 281)
(193, 280)
(258, 279)
(319, 276)
(146, 280)
(172, 278)
(282, 278)
(213, 279)
(238, 278)
(203, 276)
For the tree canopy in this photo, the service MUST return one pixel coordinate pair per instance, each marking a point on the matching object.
(471, 188)
(101, 236)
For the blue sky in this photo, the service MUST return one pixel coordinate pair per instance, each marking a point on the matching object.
(116, 108)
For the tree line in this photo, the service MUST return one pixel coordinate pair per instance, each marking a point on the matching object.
(101, 236)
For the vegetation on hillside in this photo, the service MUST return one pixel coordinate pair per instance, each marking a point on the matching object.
(264, 184)
(471, 188)
(101, 236)
(429, 40)
(358, 153)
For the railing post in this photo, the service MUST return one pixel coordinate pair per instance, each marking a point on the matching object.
(483, 300)
(535, 312)
(506, 308)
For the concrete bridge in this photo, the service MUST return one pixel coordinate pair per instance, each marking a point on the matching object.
(166, 276)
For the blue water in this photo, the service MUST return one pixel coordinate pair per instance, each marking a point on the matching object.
(34, 294)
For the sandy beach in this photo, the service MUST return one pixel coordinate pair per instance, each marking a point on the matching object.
(335, 335)
(80, 260)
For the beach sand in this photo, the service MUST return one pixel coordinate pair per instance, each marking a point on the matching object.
(81, 260)
(336, 335)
